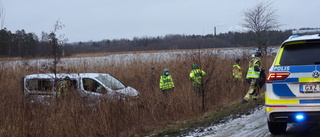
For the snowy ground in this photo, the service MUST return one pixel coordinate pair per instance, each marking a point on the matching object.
(253, 125)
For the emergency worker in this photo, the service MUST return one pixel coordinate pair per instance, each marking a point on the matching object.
(196, 75)
(253, 77)
(236, 70)
(166, 82)
(64, 87)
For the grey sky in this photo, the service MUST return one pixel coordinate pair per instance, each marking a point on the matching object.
(96, 20)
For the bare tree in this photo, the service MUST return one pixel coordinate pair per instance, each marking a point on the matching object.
(1, 15)
(261, 19)
(56, 43)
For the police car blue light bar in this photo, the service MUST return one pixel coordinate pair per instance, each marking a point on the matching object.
(306, 32)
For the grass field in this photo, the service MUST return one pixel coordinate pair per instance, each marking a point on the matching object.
(151, 111)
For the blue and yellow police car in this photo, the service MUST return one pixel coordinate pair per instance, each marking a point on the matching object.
(293, 84)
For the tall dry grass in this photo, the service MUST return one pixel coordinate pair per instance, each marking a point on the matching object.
(111, 118)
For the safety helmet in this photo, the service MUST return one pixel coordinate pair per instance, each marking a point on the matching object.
(66, 78)
(194, 66)
(237, 59)
(165, 70)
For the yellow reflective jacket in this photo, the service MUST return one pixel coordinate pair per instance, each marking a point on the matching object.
(236, 71)
(196, 75)
(166, 82)
(63, 87)
(251, 72)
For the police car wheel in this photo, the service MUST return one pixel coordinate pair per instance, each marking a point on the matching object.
(277, 127)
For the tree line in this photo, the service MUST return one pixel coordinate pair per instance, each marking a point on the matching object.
(26, 45)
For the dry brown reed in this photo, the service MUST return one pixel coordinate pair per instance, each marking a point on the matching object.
(152, 111)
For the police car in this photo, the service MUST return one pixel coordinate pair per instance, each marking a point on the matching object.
(293, 84)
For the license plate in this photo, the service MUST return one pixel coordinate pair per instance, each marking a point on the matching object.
(310, 88)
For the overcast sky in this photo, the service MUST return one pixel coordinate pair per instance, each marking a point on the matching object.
(97, 20)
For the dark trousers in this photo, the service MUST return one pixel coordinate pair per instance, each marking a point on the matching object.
(198, 89)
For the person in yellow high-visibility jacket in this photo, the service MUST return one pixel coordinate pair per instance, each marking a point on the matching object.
(253, 76)
(196, 75)
(64, 87)
(166, 82)
(236, 70)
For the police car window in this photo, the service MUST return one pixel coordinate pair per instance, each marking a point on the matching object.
(301, 54)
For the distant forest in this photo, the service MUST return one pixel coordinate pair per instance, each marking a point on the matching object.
(26, 45)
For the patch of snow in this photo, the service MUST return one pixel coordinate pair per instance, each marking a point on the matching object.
(253, 125)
